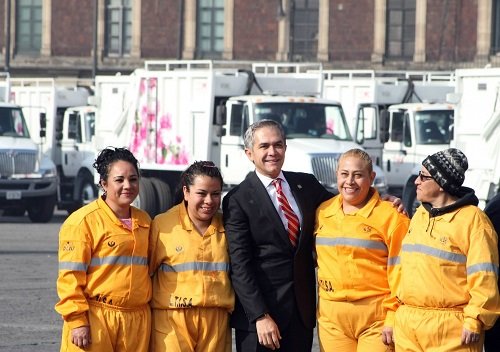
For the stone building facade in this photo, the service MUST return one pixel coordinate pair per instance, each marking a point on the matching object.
(86, 37)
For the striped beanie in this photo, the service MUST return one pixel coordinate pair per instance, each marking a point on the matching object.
(447, 168)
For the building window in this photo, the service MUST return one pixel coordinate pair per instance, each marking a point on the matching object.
(118, 27)
(495, 31)
(401, 28)
(210, 34)
(29, 26)
(304, 30)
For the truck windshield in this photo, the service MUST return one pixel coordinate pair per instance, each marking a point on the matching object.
(12, 123)
(306, 120)
(434, 126)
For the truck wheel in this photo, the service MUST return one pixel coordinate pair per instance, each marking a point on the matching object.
(163, 195)
(410, 201)
(85, 191)
(42, 210)
(146, 199)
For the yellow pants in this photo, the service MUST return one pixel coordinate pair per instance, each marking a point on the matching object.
(113, 330)
(193, 329)
(351, 326)
(431, 330)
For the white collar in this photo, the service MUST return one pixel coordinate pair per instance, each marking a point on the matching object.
(266, 180)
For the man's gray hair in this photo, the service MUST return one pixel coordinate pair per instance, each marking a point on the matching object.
(250, 132)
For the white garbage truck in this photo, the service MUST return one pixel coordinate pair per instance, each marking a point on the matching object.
(171, 113)
(397, 116)
(66, 138)
(476, 131)
(28, 178)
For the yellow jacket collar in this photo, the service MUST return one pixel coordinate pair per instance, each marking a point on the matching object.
(138, 217)
(336, 206)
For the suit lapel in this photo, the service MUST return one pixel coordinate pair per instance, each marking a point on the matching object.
(258, 194)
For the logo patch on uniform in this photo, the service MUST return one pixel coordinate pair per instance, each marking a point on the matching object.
(443, 240)
(68, 247)
(367, 229)
(111, 243)
(178, 249)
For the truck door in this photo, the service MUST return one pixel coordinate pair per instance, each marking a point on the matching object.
(396, 163)
(367, 131)
(76, 145)
(234, 162)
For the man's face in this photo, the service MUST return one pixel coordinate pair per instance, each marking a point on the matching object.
(268, 151)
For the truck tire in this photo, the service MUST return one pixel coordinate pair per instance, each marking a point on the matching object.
(410, 200)
(42, 210)
(146, 200)
(163, 195)
(85, 192)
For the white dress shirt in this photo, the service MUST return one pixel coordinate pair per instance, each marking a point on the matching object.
(271, 190)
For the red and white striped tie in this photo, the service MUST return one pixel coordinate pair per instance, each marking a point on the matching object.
(293, 220)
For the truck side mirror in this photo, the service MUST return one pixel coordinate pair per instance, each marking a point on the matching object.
(384, 126)
(219, 131)
(43, 120)
(220, 115)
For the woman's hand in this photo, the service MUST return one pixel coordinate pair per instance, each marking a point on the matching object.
(387, 336)
(396, 203)
(469, 337)
(81, 336)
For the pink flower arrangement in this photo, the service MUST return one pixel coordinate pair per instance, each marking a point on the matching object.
(160, 146)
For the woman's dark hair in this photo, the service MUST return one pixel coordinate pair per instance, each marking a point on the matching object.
(108, 156)
(198, 168)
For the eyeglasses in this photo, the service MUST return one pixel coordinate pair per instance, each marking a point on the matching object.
(423, 177)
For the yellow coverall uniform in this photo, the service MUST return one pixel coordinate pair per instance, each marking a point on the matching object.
(192, 293)
(104, 280)
(357, 258)
(449, 266)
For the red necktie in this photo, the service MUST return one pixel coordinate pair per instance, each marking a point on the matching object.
(293, 220)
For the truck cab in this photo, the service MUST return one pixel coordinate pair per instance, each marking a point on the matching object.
(316, 131)
(410, 133)
(75, 137)
(28, 179)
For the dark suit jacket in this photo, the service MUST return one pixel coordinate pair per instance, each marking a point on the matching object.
(267, 273)
(492, 339)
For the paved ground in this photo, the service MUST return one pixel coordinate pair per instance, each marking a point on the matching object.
(28, 269)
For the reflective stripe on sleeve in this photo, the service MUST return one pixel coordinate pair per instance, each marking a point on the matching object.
(200, 266)
(353, 242)
(119, 260)
(482, 267)
(73, 266)
(434, 252)
(393, 261)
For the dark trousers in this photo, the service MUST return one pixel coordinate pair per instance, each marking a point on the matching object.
(492, 339)
(296, 338)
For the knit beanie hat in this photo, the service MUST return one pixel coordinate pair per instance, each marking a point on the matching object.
(447, 168)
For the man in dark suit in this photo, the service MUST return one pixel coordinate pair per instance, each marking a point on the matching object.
(273, 276)
(492, 336)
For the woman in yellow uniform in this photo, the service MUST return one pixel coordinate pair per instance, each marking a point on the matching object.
(103, 284)
(358, 238)
(449, 264)
(192, 294)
